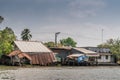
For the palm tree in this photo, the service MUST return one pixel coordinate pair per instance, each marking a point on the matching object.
(25, 35)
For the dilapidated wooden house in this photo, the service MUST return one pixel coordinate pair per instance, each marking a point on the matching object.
(64, 52)
(18, 58)
(61, 53)
(39, 54)
(92, 56)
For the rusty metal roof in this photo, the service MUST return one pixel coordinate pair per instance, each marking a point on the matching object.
(84, 50)
(19, 54)
(75, 55)
(31, 46)
(87, 52)
(60, 48)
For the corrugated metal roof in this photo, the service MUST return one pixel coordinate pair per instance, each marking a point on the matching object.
(60, 48)
(87, 52)
(31, 46)
(75, 55)
(19, 54)
(84, 50)
(98, 49)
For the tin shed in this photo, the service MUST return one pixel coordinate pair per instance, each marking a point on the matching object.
(39, 53)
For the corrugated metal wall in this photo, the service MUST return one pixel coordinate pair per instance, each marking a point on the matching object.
(42, 58)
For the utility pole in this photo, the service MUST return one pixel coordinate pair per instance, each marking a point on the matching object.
(56, 34)
(102, 35)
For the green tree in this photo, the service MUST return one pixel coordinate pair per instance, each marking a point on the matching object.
(8, 35)
(107, 44)
(7, 38)
(68, 42)
(50, 44)
(113, 45)
(26, 35)
(6, 47)
(115, 48)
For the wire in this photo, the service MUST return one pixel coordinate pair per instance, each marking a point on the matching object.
(63, 34)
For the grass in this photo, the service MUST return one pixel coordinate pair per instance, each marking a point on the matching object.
(3, 67)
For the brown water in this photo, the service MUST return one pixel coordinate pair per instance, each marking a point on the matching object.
(65, 73)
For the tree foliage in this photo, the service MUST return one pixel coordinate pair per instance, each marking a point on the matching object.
(7, 38)
(114, 45)
(107, 44)
(52, 44)
(115, 48)
(26, 35)
(49, 44)
(68, 42)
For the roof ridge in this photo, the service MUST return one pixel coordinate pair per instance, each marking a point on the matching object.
(27, 41)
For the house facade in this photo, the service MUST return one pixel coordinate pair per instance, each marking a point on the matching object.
(61, 53)
(92, 56)
(105, 54)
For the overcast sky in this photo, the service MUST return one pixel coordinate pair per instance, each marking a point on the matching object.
(83, 20)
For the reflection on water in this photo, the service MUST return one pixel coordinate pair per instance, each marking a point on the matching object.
(7, 76)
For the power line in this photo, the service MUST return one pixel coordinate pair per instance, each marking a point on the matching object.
(69, 34)
(102, 35)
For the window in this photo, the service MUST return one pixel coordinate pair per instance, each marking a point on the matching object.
(106, 56)
(99, 57)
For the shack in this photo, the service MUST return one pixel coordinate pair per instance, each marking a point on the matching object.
(61, 53)
(18, 58)
(92, 56)
(77, 59)
(40, 54)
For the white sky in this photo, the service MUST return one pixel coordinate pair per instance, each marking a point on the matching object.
(83, 20)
